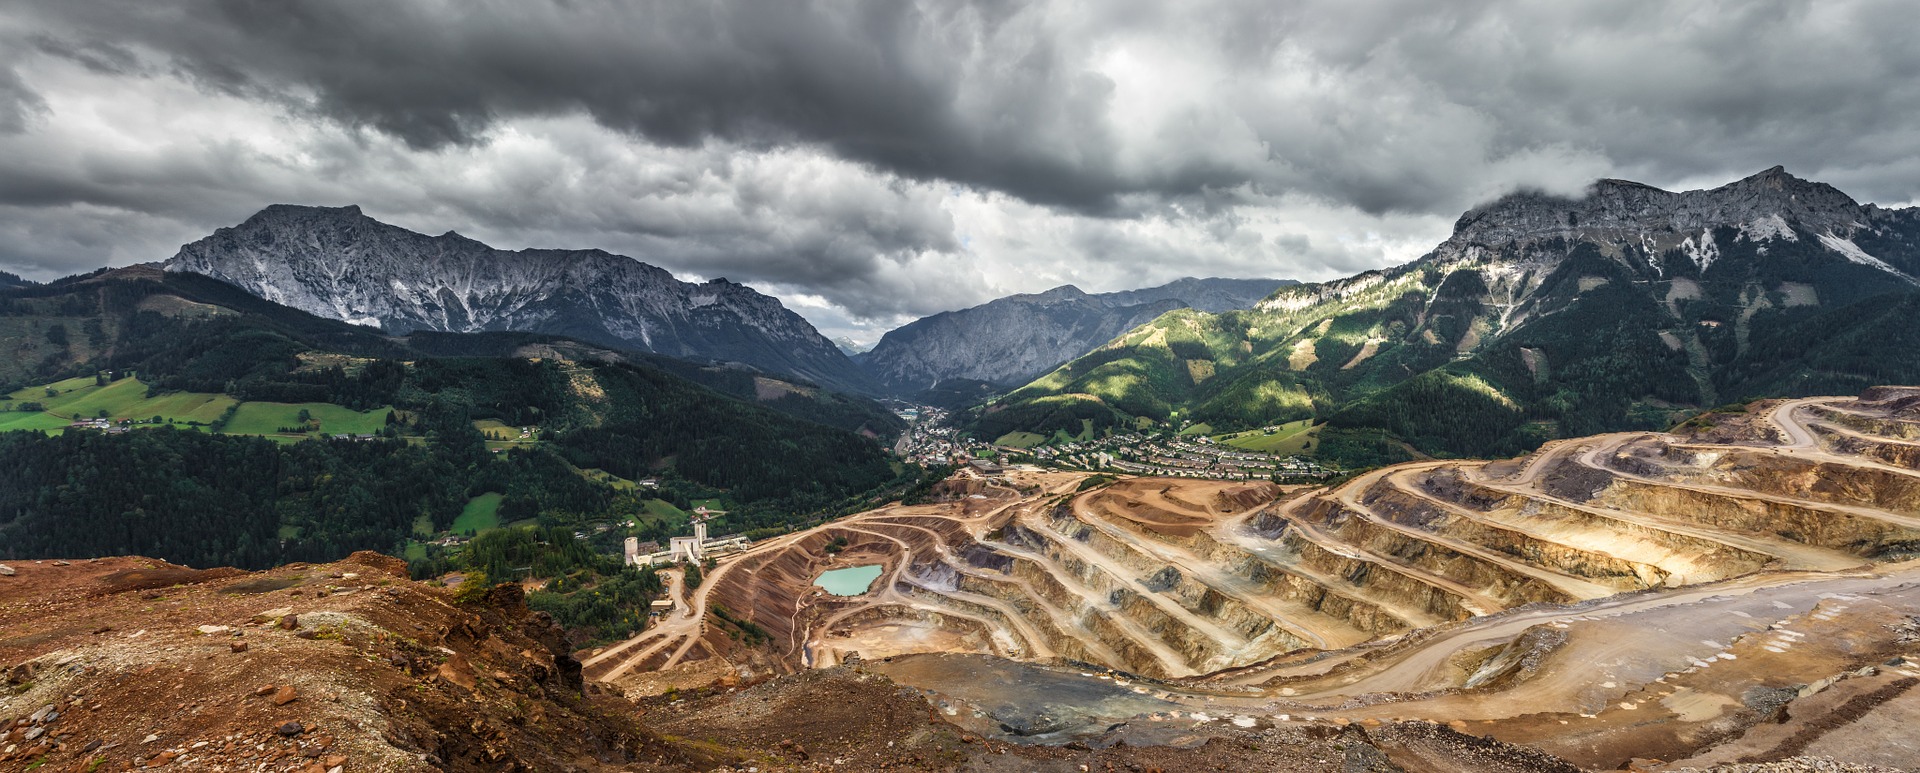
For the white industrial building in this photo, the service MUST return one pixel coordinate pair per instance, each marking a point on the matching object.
(687, 550)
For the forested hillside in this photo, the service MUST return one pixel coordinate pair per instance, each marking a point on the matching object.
(588, 423)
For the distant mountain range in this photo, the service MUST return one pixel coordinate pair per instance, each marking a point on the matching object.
(1013, 339)
(340, 264)
(1542, 316)
(8, 280)
(850, 347)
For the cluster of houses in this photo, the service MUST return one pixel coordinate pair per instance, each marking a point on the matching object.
(1087, 454)
(1178, 457)
(100, 425)
(931, 441)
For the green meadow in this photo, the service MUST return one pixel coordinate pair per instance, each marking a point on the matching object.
(1291, 438)
(1020, 440)
(481, 514)
(663, 510)
(268, 418)
(79, 398)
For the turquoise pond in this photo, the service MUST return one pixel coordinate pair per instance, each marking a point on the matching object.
(851, 581)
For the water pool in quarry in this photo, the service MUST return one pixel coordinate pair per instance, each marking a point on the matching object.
(851, 581)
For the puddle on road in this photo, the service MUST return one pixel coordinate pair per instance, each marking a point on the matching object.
(851, 581)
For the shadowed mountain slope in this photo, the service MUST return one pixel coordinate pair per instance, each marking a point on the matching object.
(1013, 339)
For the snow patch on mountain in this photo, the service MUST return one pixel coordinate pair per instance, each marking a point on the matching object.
(1703, 253)
(1852, 252)
(1769, 227)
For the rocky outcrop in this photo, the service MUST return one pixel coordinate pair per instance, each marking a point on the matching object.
(340, 264)
(1762, 206)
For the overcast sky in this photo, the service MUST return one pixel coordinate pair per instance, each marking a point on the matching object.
(871, 162)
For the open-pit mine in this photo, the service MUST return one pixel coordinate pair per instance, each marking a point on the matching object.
(1742, 588)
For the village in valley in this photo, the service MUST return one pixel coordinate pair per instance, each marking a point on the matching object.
(931, 440)
(1170, 455)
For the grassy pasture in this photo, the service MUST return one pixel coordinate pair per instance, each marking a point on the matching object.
(1290, 439)
(123, 399)
(1020, 440)
(268, 418)
(481, 514)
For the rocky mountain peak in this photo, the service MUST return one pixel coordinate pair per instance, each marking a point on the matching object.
(290, 213)
(1775, 192)
(1621, 209)
(456, 236)
(1055, 295)
(336, 262)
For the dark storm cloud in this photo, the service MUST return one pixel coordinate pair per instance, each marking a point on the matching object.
(887, 158)
(975, 93)
(100, 56)
(18, 103)
(1383, 106)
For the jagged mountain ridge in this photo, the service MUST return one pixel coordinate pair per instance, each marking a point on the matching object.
(1010, 340)
(1770, 205)
(340, 264)
(1540, 316)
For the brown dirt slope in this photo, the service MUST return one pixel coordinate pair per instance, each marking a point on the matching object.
(124, 662)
